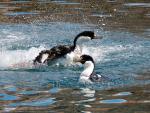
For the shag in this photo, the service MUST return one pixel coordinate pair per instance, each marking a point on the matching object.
(88, 74)
(59, 51)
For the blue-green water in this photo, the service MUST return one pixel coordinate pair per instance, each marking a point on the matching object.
(119, 56)
(122, 56)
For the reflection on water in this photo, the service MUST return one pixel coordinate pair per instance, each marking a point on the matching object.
(20, 13)
(6, 97)
(138, 4)
(122, 56)
(79, 100)
(122, 94)
(113, 101)
(40, 102)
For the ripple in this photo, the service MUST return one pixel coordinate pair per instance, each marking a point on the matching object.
(54, 90)
(88, 100)
(6, 97)
(8, 109)
(111, 1)
(88, 92)
(10, 88)
(146, 101)
(113, 101)
(28, 92)
(65, 2)
(21, 1)
(40, 102)
(87, 106)
(148, 15)
(86, 112)
(20, 13)
(137, 4)
(122, 94)
(3, 6)
(69, 3)
(102, 15)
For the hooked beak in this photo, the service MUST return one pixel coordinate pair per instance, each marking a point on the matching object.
(77, 59)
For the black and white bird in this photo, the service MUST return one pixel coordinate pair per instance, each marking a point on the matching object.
(59, 51)
(88, 75)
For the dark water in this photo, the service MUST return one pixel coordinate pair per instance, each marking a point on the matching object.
(123, 56)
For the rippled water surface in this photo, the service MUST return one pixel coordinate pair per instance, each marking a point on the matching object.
(122, 56)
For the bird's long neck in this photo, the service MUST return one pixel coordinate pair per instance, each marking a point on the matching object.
(75, 42)
(88, 69)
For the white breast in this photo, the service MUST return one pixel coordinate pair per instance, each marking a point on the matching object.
(89, 67)
(74, 55)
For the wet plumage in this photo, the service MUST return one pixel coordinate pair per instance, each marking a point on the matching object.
(88, 73)
(54, 53)
(62, 50)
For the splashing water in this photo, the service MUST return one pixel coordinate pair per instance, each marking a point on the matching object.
(121, 57)
(117, 55)
(12, 58)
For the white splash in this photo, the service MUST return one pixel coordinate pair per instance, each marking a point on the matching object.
(18, 58)
(100, 53)
(24, 58)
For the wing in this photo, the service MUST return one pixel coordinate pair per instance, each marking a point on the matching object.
(95, 77)
(54, 53)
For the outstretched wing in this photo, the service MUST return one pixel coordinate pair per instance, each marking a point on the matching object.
(53, 53)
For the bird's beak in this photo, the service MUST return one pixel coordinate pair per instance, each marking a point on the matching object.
(77, 59)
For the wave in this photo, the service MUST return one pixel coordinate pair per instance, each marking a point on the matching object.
(18, 58)
(23, 58)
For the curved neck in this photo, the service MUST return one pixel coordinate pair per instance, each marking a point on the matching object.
(88, 69)
(75, 42)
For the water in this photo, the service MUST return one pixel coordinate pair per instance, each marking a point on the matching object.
(122, 56)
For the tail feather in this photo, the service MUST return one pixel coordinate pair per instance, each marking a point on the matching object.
(38, 59)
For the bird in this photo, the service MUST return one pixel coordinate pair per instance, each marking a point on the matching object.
(60, 51)
(88, 75)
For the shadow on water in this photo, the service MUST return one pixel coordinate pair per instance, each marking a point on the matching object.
(122, 56)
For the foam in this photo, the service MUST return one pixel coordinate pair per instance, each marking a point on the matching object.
(16, 58)
(8, 37)
(101, 52)
(24, 58)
